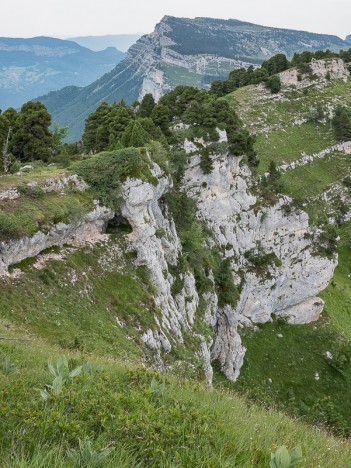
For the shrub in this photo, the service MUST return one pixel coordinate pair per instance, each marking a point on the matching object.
(106, 171)
(260, 261)
(274, 84)
(33, 191)
(206, 164)
(342, 123)
(327, 241)
(227, 291)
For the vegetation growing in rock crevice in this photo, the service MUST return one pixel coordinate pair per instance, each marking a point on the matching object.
(197, 255)
(259, 261)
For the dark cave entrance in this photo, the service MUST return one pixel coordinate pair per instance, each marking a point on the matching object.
(118, 225)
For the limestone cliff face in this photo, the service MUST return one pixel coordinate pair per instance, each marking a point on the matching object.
(156, 242)
(161, 62)
(290, 286)
(170, 60)
(320, 68)
(239, 225)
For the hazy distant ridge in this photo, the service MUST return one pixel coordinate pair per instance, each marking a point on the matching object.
(122, 42)
(30, 67)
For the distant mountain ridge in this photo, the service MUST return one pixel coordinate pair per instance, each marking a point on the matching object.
(182, 51)
(29, 67)
(122, 42)
(348, 39)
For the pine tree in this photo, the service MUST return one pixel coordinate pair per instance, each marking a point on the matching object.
(7, 123)
(274, 84)
(118, 120)
(32, 138)
(217, 88)
(206, 164)
(134, 135)
(153, 130)
(342, 123)
(161, 117)
(146, 106)
(276, 64)
(95, 136)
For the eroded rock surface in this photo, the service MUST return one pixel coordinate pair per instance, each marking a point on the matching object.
(240, 223)
(76, 233)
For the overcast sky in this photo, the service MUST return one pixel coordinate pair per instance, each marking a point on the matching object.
(27, 18)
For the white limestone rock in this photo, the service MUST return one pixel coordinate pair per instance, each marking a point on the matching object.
(228, 349)
(290, 287)
(77, 233)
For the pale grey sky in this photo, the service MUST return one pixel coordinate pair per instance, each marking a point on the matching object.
(27, 18)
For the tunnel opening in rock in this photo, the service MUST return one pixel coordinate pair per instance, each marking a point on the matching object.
(118, 225)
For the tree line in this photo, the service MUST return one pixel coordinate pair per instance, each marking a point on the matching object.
(268, 72)
(26, 135)
(117, 126)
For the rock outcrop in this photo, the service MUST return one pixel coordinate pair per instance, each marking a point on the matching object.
(157, 244)
(76, 233)
(245, 230)
(53, 184)
(288, 288)
(320, 68)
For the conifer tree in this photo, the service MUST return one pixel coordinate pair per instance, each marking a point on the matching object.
(342, 123)
(161, 117)
(146, 106)
(95, 136)
(134, 135)
(32, 138)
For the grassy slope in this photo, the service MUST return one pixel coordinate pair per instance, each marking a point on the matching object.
(273, 119)
(287, 144)
(35, 210)
(75, 301)
(291, 361)
(183, 425)
(292, 357)
(337, 296)
(313, 179)
(38, 173)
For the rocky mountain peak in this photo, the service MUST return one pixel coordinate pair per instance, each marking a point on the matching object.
(183, 51)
